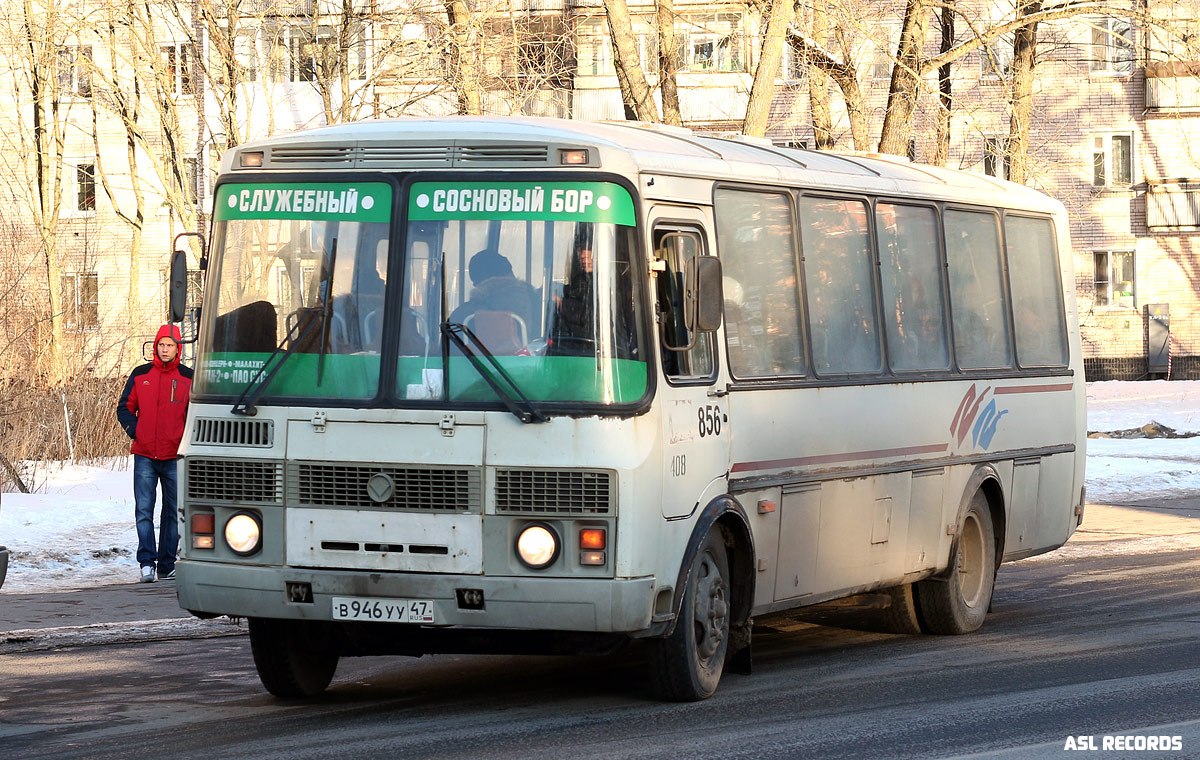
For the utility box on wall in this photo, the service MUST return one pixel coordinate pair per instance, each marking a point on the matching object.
(1158, 332)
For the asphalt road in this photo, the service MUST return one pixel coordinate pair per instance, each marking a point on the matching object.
(1092, 642)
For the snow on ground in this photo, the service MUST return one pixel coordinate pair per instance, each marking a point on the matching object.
(78, 531)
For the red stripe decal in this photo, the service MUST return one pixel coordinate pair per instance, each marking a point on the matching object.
(1033, 389)
(853, 456)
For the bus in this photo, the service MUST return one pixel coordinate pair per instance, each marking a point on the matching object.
(517, 385)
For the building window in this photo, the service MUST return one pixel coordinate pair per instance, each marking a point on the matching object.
(178, 66)
(996, 58)
(80, 300)
(75, 71)
(190, 168)
(1112, 160)
(85, 187)
(710, 43)
(308, 54)
(1113, 279)
(995, 156)
(246, 56)
(885, 49)
(1112, 47)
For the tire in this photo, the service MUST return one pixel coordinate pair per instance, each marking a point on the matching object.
(687, 665)
(959, 603)
(901, 614)
(294, 658)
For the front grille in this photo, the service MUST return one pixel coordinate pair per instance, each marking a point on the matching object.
(444, 489)
(575, 492)
(218, 432)
(234, 480)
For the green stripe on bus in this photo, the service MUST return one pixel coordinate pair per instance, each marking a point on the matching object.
(321, 201)
(537, 201)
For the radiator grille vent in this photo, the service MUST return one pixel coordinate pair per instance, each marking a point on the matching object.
(374, 155)
(285, 155)
(443, 489)
(494, 154)
(234, 480)
(576, 492)
(218, 432)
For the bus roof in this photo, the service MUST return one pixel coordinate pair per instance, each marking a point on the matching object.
(465, 142)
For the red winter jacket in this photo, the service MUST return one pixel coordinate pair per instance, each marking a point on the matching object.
(153, 405)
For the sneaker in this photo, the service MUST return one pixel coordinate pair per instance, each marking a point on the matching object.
(167, 576)
(147, 574)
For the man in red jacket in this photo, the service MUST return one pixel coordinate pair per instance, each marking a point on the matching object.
(152, 411)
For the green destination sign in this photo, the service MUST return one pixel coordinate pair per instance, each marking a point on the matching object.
(539, 201)
(322, 201)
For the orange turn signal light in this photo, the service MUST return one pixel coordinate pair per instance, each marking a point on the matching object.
(573, 157)
(592, 538)
(204, 522)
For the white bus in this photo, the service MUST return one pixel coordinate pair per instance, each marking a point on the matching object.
(526, 385)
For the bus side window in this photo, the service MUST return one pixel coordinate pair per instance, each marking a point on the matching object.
(755, 241)
(911, 273)
(1041, 328)
(978, 309)
(840, 285)
(676, 247)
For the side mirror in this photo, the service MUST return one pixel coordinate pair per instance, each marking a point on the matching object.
(702, 294)
(178, 299)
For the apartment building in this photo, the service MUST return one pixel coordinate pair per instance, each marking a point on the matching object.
(1116, 116)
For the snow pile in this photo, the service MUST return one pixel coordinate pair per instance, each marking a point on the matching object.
(78, 531)
(1121, 471)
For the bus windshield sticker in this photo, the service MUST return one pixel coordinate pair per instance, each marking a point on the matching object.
(536, 201)
(322, 201)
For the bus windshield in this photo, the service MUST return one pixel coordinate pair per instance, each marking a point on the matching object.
(536, 276)
(300, 267)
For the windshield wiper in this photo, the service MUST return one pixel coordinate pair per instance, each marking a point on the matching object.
(258, 384)
(525, 411)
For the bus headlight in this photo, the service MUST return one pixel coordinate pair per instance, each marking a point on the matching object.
(537, 546)
(243, 533)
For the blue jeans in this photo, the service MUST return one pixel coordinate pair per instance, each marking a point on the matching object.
(147, 473)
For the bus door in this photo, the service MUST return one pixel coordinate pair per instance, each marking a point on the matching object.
(694, 417)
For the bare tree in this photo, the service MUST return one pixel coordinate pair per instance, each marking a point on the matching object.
(762, 90)
(636, 93)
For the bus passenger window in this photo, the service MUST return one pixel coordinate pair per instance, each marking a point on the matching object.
(977, 304)
(911, 274)
(676, 248)
(1041, 329)
(762, 298)
(839, 282)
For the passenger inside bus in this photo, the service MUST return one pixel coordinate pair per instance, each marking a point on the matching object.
(501, 308)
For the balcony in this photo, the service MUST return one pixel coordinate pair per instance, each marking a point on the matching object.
(1173, 86)
(1173, 205)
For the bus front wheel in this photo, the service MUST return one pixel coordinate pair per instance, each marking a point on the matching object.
(686, 666)
(294, 658)
(958, 603)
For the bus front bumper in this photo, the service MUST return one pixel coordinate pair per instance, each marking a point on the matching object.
(557, 604)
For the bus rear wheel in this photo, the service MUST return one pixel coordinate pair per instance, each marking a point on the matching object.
(294, 658)
(687, 665)
(959, 603)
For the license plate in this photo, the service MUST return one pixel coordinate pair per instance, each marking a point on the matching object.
(383, 610)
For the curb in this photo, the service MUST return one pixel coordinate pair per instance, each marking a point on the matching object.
(98, 634)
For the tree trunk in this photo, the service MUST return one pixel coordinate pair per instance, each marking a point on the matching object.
(668, 63)
(818, 85)
(941, 153)
(464, 58)
(1024, 48)
(762, 91)
(906, 79)
(635, 90)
